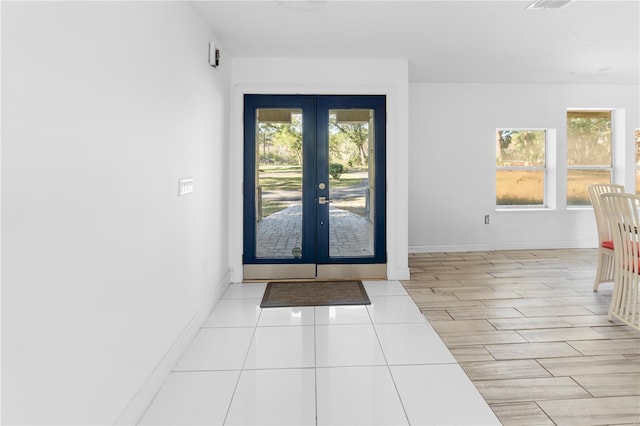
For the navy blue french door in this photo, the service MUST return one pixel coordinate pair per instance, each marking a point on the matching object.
(314, 186)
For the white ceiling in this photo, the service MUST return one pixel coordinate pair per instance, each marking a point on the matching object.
(444, 41)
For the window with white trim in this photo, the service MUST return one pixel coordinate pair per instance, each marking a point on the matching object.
(520, 167)
(637, 161)
(588, 153)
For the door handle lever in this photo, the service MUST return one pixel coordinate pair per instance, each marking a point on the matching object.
(324, 200)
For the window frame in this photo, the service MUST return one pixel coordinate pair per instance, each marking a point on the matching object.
(568, 168)
(544, 169)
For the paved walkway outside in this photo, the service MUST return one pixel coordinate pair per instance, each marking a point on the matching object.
(280, 232)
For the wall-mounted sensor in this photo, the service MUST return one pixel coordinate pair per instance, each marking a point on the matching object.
(214, 54)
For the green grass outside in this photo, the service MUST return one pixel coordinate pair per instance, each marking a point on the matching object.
(271, 207)
(289, 178)
(353, 205)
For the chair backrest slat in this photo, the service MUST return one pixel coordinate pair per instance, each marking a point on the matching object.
(595, 190)
(623, 213)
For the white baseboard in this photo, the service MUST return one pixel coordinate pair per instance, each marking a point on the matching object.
(143, 397)
(398, 274)
(526, 245)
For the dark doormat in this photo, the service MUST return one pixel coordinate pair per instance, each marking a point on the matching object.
(314, 293)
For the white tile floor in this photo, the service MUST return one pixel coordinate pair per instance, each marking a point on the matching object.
(380, 364)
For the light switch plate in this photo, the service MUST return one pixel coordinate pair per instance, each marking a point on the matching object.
(185, 186)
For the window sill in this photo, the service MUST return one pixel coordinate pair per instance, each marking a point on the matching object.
(524, 209)
(544, 209)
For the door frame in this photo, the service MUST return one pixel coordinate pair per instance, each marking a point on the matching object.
(316, 261)
(395, 88)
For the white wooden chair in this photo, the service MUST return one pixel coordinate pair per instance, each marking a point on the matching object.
(623, 212)
(604, 272)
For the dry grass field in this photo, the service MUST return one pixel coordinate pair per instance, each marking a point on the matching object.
(526, 187)
(513, 187)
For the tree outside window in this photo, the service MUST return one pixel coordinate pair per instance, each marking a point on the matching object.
(588, 153)
(520, 167)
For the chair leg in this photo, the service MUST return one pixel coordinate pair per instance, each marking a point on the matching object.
(598, 279)
(604, 273)
(618, 288)
(596, 282)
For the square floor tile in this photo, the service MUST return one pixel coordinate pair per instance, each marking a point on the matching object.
(234, 313)
(274, 397)
(281, 347)
(415, 343)
(354, 314)
(358, 396)
(245, 291)
(394, 309)
(286, 316)
(192, 398)
(216, 349)
(347, 345)
(441, 395)
(384, 288)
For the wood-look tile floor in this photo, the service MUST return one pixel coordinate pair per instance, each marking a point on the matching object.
(532, 335)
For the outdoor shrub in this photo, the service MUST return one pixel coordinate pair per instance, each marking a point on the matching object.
(336, 170)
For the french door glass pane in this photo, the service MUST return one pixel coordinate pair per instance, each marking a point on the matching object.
(278, 183)
(351, 182)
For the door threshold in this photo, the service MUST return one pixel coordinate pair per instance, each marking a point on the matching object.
(313, 272)
(301, 280)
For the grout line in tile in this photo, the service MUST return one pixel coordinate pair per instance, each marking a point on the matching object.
(545, 413)
(537, 360)
(395, 386)
(315, 365)
(585, 389)
(275, 368)
(393, 380)
(246, 355)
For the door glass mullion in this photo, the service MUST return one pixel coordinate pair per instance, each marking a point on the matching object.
(322, 184)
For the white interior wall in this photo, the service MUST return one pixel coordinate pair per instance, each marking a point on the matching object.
(105, 270)
(331, 76)
(452, 163)
(106, 105)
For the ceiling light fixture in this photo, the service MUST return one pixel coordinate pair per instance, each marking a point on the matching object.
(548, 4)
